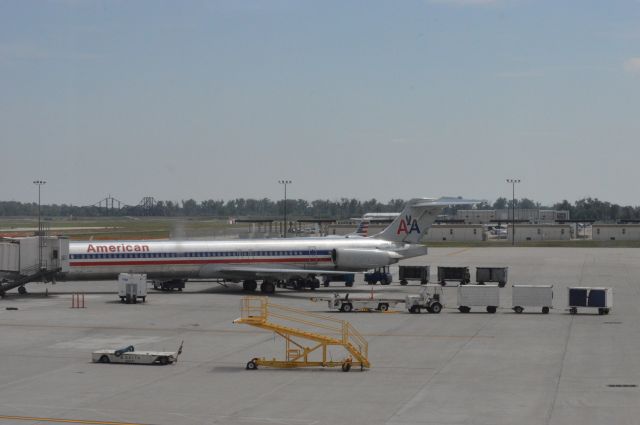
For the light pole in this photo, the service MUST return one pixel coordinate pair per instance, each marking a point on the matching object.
(285, 183)
(39, 183)
(513, 209)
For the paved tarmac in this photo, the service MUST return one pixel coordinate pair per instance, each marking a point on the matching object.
(446, 369)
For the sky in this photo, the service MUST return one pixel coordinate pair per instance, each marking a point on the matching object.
(356, 99)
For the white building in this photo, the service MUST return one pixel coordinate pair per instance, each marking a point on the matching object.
(615, 232)
(504, 215)
(476, 216)
(455, 233)
(540, 232)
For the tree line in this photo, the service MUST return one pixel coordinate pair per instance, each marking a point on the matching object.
(583, 209)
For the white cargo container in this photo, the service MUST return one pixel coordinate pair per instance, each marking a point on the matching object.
(487, 296)
(132, 286)
(532, 296)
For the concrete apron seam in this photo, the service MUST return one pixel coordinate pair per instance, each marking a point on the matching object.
(557, 386)
(438, 371)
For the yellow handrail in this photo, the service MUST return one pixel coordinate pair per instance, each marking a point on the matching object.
(258, 310)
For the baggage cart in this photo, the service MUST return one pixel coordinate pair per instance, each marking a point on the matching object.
(592, 298)
(457, 274)
(347, 278)
(532, 296)
(407, 273)
(487, 296)
(300, 283)
(492, 274)
(131, 287)
(350, 302)
(169, 285)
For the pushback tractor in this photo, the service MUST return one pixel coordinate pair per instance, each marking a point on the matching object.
(429, 298)
(129, 355)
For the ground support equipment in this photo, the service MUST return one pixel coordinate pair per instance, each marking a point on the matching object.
(298, 328)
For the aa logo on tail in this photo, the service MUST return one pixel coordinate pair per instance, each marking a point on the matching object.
(408, 225)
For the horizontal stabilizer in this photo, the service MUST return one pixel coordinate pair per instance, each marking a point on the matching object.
(416, 218)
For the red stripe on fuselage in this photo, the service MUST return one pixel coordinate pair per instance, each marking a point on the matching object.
(181, 262)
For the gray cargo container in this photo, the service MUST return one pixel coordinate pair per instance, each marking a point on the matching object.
(457, 274)
(492, 274)
(532, 296)
(407, 273)
(487, 296)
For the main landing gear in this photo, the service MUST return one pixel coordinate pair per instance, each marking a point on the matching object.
(267, 286)
(249, 285)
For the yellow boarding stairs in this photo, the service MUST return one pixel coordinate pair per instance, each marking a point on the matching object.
(323, 330)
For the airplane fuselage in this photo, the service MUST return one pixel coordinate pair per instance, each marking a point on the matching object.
(204, 259)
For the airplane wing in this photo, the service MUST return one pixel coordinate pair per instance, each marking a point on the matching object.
(410, 251)
(447, 201)
(240, 272)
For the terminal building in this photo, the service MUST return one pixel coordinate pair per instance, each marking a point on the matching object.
(615, 232)
(540, 232)
(505, 215)
(455, 233)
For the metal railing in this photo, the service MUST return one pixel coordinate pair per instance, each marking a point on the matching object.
(259, 309)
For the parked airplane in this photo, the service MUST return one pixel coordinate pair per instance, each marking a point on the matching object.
(362, 230)
(381, 216)
(268, 260)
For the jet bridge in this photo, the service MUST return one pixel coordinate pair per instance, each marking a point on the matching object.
(24, 260)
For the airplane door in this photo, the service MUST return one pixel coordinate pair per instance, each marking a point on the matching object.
(312, 258)
(246, 256)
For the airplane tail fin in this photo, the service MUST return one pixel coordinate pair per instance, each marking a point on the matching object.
(416, 218)
(363, 228)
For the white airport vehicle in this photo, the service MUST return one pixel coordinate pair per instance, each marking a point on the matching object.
(540, 296)
(429, 298)
(131, 287)
(130, 355)
(348, 302)
(487, 296)
(248, 261)
(501, 232)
